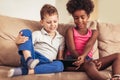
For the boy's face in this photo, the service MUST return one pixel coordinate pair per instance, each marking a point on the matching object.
(50, 23)
(80, 18)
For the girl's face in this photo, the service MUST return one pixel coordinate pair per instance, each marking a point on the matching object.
(50, 23)
(80, 18)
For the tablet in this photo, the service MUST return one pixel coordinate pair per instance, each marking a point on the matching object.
(67, 62)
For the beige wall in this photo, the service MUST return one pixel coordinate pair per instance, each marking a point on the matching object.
(29, 9)
(64, 16)
(109, 11)
(105, 10)
(94, 14)
(26, 9)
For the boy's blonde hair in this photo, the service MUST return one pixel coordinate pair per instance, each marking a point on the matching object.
(48, 9)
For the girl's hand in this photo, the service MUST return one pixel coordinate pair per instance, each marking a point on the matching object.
(80, 60)
(20, 39)
(98, 64)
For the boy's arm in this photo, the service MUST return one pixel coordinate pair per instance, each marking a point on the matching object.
(60, 54)
(20, 39)
(61, 49)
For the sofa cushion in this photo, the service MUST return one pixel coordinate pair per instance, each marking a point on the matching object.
(52, 76)
(109, 39)
(9, 29)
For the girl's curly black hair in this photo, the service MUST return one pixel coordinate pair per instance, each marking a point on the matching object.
(74, 5)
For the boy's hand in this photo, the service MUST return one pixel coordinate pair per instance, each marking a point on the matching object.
(20, 39)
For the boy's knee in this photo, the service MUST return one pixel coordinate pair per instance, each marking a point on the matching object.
(26, 32)
(59, 66)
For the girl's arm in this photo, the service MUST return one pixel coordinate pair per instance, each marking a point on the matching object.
(87, 48)
(70, 43)
(90, 43)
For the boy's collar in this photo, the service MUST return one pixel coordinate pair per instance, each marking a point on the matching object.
(46, 33)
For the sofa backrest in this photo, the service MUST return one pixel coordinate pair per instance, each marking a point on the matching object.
(108, 41)
(9, 29)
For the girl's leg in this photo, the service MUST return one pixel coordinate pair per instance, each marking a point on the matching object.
(53, 67)
(93, 72)
(27, 51)
(111, 60)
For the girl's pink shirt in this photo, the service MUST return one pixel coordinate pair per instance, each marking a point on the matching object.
(80, 41)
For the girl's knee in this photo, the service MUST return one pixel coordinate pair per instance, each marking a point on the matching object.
(89, 65)
(118, 55)
(26, 32)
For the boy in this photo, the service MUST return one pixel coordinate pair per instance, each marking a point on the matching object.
(40, 48)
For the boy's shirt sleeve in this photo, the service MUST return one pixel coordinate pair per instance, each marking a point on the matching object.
(62, 45)
(35, 36)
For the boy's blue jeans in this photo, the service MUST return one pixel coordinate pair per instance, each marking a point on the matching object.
(45, 66)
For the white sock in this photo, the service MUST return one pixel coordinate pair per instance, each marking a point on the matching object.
(15, 72)
(32, 63)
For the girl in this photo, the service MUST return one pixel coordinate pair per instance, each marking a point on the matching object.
(80, 41)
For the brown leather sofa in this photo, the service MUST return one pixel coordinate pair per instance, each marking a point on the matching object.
(107, 43)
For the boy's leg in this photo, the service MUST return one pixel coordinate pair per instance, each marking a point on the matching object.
(53, 67)
(26, 49)
(43, 59)
(17, 71)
